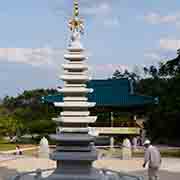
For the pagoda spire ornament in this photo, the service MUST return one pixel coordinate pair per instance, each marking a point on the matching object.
(76, 23)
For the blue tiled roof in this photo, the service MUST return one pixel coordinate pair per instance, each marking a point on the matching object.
(112, 92)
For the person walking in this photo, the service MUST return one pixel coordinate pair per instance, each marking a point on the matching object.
(152, 157)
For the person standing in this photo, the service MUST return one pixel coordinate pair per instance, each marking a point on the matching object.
(134, 144)
(152, 157)
(18, 150)
(126, 149)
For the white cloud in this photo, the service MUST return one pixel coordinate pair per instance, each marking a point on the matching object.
(152, 56)
(32, 56)
(106, 70)
(169, 44)
(112, 22)
(103, 14)
(100, 9)
(110, 67)
(155, 18)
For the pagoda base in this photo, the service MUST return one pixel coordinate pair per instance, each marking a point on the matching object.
(74, 155)
(71, 173)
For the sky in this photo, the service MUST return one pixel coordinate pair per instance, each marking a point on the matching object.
(119, 34)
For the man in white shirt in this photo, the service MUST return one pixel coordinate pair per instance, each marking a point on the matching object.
(152, 157)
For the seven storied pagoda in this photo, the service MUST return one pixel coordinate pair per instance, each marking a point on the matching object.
(75, 151)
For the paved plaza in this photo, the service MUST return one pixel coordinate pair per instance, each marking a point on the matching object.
(170, 169)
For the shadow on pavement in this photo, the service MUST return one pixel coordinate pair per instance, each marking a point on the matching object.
(8, 174)
(163, 175)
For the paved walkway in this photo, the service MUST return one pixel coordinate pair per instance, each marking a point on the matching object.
(8, 157)
(170, 169)
(168, 164)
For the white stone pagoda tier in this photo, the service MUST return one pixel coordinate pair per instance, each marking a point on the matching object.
(70, 78)
(75, 113)
(75, 98)
(74, 56)
(78, 119)
(75, 102)
(75, 90)
(75, 66)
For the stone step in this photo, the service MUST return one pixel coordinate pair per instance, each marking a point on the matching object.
(74, 138)
(74, 148)
(73, 130)
(80, 156)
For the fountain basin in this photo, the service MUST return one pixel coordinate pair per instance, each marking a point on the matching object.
(104, 174)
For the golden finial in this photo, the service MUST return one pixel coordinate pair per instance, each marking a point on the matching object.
(76, 23)
(76, 8)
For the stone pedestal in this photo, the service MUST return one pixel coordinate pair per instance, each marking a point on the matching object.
(43, 148)
(74, 155)
(126, 150)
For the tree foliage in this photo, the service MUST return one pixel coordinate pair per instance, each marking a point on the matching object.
(171, 68)
(161, 81)
(163, 124)
(27, 114)
(118, 74)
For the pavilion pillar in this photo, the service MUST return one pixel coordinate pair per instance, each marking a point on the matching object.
(112, 137)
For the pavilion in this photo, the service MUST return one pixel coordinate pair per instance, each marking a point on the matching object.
(114, 96)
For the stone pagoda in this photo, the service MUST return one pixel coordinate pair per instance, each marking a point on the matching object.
(75, 150)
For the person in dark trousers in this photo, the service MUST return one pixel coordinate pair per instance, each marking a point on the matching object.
(152, 157)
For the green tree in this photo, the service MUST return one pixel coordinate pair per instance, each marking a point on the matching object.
(118, 74)
(163, 122)
(28, 109)
(10, 126)
(171, 68)
(152, 71)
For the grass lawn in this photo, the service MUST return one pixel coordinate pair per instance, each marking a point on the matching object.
(6, 145)
(140, 153)
(164, 153)
(117, 153)
(171, 153)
